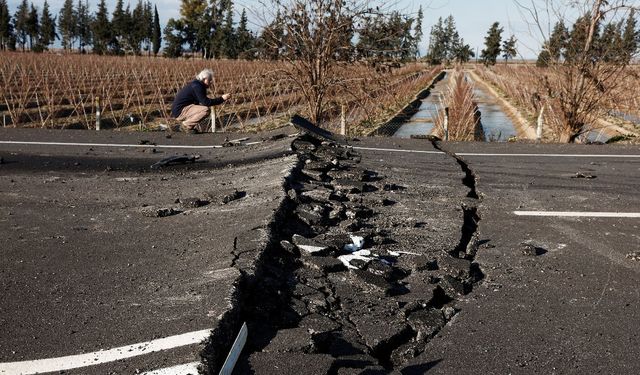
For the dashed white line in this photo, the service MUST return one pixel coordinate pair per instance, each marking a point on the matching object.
(103, 356)
(578, 214)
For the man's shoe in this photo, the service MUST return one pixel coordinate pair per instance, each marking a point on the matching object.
(189, 130)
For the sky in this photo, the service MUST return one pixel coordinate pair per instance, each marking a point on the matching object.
(473, 17)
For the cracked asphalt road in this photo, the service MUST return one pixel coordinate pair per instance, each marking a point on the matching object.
(88, 264)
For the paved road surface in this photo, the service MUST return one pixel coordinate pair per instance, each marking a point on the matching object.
(87, 266)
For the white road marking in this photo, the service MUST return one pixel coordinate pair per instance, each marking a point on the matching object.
(578, 214)
(355, 148)
(107, 145)
(498, 155)
(103, 356)
(552, 155)
(186, 369)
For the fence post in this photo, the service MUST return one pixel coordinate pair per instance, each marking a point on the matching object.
(540, 125)
(343, 122)
(213, 120)
(446, 123)
(98, 114)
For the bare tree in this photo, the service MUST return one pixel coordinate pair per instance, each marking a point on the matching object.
(577, 88)
(313, 38)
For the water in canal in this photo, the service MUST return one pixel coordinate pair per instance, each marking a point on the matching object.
(496, 124)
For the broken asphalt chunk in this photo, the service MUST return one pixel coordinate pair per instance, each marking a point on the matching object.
(309, 246)
(452, 286)
(456, 267)
(288, 363)
(160, 212)
(311, 214)
(532, 250)
(317, 324)
(426, 323)
(293, 340)
(302, 146)
(192, 202)
(175, 160)
(232, 196)
(324, 264)
(309, 128)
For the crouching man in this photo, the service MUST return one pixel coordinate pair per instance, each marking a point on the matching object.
(191, 105)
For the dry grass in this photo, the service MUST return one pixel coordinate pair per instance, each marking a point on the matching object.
(458, 100)
(569, 111)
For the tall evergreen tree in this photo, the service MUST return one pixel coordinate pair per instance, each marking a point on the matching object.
(156, 38)
(462, 52)
(509, 48)
(269, 40)
(608, 45)
(67, 24)
(417, 32)
(174, 38)
(137, 29)
(33, 29)
(7, 40)
(558, 40)
(492, 43)
(195, 25)
(21, 24)
(6, 29)
(578, 37)
(101, 29)
(437, 51)
(630, 36)
(229, 48)
(387, 36)
(119, 27)
(245, 38)
(147, 15)
(47, 27)
(445, 44)
(83, 25)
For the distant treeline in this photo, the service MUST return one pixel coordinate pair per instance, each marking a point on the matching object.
(205, 28)
(614, 42)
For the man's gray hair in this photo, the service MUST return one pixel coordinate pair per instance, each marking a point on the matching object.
(207, 73)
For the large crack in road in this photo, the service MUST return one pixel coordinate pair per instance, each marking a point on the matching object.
(330, 294)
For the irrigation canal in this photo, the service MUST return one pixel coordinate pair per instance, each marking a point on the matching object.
(496, 123)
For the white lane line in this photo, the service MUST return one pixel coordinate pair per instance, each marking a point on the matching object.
(578, 214)
(498, 155)
(103, 356)
(186, 369)
(106, 145)
(553, 155)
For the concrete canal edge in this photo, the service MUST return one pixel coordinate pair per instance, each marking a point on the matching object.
(391, 126)
(523, 127)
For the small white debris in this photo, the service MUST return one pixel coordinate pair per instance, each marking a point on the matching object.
(357, 244)
(358, 255)
(311, 249)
